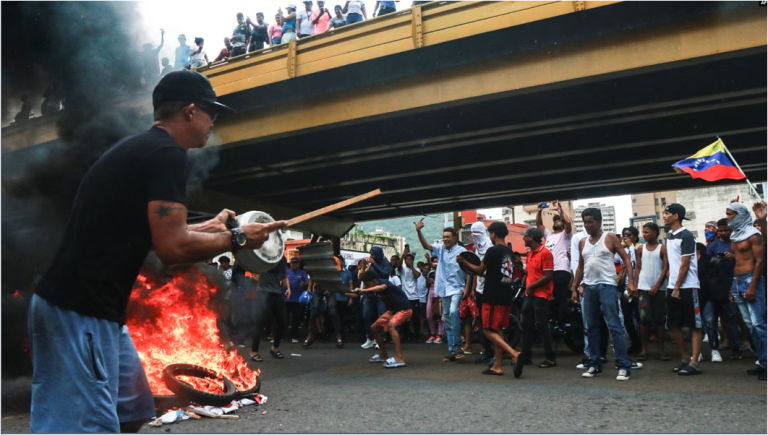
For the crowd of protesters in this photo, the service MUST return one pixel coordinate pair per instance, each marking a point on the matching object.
(628, 293)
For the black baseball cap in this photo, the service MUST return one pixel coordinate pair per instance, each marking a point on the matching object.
(187, 87)
(677, 209)
(295, 260)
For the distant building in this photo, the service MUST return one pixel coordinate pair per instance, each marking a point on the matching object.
(608, 212)
(357, 240)
(702, 205)
(526, 214)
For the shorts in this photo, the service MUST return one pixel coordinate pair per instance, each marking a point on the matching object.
(87, 375)
(496, 317)
(653, 309)
(684, 311)
(290, 36)
(396, 319)
(468, 307)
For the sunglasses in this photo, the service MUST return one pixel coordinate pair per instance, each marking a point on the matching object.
(627, 235)
(209, 110)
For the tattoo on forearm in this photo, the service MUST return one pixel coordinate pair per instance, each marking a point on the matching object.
(164, 211)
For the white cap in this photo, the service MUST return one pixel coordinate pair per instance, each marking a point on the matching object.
(291, 6)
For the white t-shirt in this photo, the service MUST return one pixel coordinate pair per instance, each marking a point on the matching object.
(395, 280)
(196, 59)
(409, 284)
(355, 7)
(421, 289)
(682, 243)
(307, 28)
(480, 280)
(575, 240)
(558, 244)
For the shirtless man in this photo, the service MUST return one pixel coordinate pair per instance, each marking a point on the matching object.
(748, 290)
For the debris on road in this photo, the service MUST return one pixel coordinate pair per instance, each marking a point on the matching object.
(264, 413)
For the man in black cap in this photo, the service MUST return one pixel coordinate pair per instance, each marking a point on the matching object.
(683, 289)
(132, 200)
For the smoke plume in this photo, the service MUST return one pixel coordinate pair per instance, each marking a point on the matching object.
(90, 49)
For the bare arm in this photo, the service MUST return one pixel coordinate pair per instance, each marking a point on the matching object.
(539, 221)
(162, 40)
(664, 267)
(287, 285)
(375, 8)
(616, 244)
(541, 282)
(174, 243)
(639, 264)
(416, 273)
(362, 7)
(376, 289)
(424, 244)
(567, 224)
(579, 274)
(344, 11)
(758, 251)
(685, 264)
(479, 269)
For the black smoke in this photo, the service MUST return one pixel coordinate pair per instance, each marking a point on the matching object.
(90, 48)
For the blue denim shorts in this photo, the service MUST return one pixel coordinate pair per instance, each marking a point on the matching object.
(87, 374)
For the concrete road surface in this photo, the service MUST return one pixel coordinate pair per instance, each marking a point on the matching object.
(328, 390)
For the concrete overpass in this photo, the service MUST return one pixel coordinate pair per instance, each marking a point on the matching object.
(462, 105)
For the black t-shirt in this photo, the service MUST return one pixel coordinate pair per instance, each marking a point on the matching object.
(393, 297)
(498, 277)
(107, 237)
(269, 281)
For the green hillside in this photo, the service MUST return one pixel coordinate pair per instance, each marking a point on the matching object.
(433, 230)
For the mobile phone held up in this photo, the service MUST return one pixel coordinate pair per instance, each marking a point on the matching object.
(544, 205)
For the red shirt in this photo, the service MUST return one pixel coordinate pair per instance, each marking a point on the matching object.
(539, 261)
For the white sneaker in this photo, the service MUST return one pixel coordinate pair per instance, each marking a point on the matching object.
(294, 340)
(582, 366)
(368, 344)
(701, 358)
(706, 339)
(591, 373)
(624, 375)
(716, 358)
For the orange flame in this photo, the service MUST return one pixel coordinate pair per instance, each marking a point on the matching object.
(175, 323)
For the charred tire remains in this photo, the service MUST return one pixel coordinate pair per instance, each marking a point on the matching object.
(184, 391)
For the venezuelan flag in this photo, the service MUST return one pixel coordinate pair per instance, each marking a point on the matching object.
(710, 164)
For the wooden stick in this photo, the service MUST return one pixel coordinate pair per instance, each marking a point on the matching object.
(333, 207)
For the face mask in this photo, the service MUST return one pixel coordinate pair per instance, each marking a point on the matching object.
(711, 235)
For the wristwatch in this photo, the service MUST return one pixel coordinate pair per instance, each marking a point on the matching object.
(238, 239)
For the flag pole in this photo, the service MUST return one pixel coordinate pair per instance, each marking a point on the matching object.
(739, 168)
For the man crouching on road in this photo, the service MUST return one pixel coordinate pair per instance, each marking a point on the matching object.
(398, 313)
(748, 290)
(87, 374)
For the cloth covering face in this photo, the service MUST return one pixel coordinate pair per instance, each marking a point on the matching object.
(742, 224)
(481, 237)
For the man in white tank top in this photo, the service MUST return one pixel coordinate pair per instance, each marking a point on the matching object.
(652, 268)
(600, 293)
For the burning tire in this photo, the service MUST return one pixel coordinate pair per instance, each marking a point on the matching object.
(249, 393)
(184, 391)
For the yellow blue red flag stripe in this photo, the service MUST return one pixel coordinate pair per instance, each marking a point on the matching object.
(710, 164)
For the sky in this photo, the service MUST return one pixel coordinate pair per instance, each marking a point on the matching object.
(197, 18)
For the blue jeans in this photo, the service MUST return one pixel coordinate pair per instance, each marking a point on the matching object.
(731, 314)
(754, 311)
(87, 374)
(452, 322)
(603, 299)
(373, 308)
(354, 18)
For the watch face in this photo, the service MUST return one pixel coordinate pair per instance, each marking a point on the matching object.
(240, 238)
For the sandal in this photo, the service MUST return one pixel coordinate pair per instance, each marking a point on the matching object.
(518, 365)
(450, 358)
(491, 372)
(307, 343)
(257, 358)
(459, 353)
(376, 359)
(276, 354)
(545, 365)
(689, 371)
(679, 367)
(642, 356)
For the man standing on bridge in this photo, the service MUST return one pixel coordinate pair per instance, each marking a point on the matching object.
(132, 200)
(450, 283)
(600, 293)
(748, 289)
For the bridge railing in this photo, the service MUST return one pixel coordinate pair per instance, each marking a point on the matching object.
(409, 29)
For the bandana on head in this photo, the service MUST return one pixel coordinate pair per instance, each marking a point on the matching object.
(481, 237)
(742, 223)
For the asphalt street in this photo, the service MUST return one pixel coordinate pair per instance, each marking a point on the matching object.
(328, 390)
